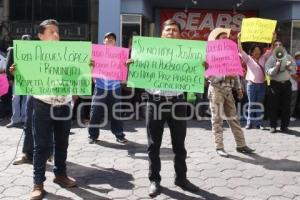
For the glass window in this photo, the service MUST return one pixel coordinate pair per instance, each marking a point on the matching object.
(130, 25)
(284, 34)
(61, 10)
(295, 37)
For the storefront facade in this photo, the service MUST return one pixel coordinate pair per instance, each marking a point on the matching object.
(197, 18)
(78, 19)
(91, 19)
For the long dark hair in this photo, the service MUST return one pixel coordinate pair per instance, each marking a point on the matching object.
(253, 47)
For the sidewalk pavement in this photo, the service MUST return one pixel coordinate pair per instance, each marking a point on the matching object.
(109, 170)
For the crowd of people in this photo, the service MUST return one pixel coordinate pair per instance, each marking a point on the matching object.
(271, 75)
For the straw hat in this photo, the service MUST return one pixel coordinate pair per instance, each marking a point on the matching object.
(297, 54)
(218, 31)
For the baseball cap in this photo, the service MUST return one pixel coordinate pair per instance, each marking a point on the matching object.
(110, 34)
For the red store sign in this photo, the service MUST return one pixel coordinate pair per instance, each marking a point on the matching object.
(196, 24)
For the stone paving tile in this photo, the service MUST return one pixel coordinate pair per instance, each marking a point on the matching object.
(278, 198)
(109, 170)
(294, 189)
(235, 182)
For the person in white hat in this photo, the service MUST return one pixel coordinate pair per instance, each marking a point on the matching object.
(221, 99)
(295, 78)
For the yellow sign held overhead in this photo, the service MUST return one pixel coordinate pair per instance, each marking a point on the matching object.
(257, 30)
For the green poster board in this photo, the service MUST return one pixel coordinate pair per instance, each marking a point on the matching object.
(167, 64)
(52, 68)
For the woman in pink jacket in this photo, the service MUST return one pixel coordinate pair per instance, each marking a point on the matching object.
(256, 86)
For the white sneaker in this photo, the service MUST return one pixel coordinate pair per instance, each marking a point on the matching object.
(292, 119)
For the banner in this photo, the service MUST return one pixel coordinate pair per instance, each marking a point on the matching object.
(110, 62)
(222, 58)
(52, 68)
(196, 24)
(3, 84)
(167, 64)
(258, 30)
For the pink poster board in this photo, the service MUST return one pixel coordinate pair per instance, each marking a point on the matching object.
(109, 62)
(3, 84)
(223, 58)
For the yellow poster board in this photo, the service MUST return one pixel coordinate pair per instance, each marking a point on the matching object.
(257, 30)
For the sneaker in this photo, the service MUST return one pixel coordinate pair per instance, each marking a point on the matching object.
(245, 149)
(248, 126)
(185, 184)
(292, 119)
(261, 127)
(37, 192)
(121, 139)
(154, 189)
(12, 124)
(222, 152)
(92, 141)
(23, 160)
(64, 181)
(285, 130)
(272, 130)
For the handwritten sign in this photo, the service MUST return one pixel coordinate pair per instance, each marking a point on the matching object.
(52, 68)
(167, 64)
(222, 58)
(3, 84)
(257, 30)
(109, 62)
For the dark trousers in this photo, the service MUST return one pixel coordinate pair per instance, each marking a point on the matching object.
(46, 128)
(279, 101)
(28, 138)
(155, 128)
(102, 107)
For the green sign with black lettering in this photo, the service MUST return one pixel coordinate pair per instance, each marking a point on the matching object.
(52, 68)
(167, 64)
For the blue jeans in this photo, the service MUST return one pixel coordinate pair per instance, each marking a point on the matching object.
(44, 128)
(256, 94)
(18, 108)
(103, 99)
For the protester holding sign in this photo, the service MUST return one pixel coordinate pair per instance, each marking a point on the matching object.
(51, 114)
(279, 67)
(106, 98)
(221, 99)
(18, 101)
(27, 149)
(255, 78)
(167, 106)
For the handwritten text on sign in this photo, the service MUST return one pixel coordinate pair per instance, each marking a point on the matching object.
(257, 30)
(167, 64)
(52, 68)
(109, 62)
(222, 58)
(3, 84)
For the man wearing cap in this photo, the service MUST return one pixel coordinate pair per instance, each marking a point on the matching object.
(221, 100)
(279, 67)
(107, 93)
